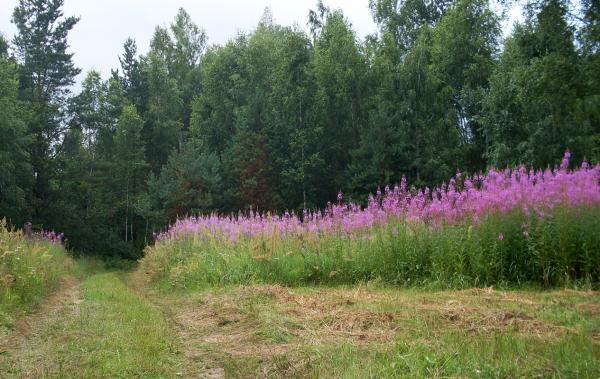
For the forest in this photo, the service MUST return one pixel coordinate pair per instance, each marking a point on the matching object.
(283, 118)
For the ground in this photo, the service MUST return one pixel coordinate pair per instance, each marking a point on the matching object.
(114, 325)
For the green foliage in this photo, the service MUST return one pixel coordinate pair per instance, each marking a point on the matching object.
(163, 121)
(130, 171)
(339, 69)
(425, 108)
(3, 46)
(46, 73)
(214, 108)
(463, 51)
(590, 32)
(134, 79)
(401, 22)
(536, 106)
(190, 183)
(41, 44)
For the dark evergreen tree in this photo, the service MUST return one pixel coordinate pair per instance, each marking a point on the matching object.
(190, 183)
(47, 72)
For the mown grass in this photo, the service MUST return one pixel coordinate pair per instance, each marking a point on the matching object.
(29, 270)
(104, 328)
(454, 354)
(353, 332)
(104, 331)
(559, 247)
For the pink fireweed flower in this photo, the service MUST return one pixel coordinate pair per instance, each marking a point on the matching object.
(533, 192)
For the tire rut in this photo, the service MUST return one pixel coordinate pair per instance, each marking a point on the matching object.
(197, 363)
(63, 302)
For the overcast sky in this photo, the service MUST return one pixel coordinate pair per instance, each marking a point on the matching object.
(98, 38)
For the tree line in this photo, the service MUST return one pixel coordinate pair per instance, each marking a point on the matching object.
(285, 117)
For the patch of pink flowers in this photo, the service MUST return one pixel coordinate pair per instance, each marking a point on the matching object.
(461, 198)
(48, 236)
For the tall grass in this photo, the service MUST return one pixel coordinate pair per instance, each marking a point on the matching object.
(510, 226)
(30, 267)
(510, 248)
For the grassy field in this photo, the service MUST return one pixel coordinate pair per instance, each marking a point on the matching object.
(76, 319)
(114, 325)
(366, 331)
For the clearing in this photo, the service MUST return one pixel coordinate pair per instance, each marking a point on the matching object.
(273, 331)
(113, 325)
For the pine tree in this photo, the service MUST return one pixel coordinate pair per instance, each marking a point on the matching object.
(47, 71)
(190, 183)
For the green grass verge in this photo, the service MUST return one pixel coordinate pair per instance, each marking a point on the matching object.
(104, 331)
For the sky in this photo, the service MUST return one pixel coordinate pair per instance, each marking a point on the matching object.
(98, 38)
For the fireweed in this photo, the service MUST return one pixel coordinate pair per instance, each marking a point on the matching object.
(47, 236)
(507, 226)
